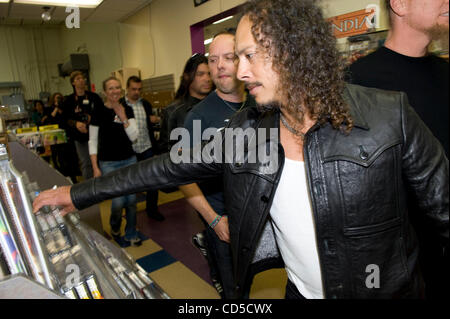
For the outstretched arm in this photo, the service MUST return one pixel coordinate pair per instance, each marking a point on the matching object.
(155, 173)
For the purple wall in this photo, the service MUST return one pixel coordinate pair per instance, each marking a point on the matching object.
(197, 34)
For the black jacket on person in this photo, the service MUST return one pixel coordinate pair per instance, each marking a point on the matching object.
(74, 110)
(172, 117)
(357, 185)
(150, 126)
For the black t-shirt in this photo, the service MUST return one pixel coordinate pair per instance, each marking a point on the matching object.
(113, 141)
(424, 80)
(78, 109)
(213, 112)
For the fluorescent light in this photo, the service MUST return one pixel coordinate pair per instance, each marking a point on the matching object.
(63, 3)
(208, 41)
(4, 1)
(222, 20)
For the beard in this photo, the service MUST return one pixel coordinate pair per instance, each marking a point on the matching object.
(269, 106)
(227, 87)
(439, 35)
(438, 32)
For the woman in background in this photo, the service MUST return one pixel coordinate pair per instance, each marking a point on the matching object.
(112, 131)
(39, 117)
(56, 109)
(64, 156)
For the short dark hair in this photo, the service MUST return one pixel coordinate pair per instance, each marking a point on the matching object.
(134, 79)
(189, 75)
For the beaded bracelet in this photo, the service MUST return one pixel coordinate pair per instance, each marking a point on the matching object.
(215, 221)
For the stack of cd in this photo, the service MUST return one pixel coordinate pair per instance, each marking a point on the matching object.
(86, 289)
(133, 281)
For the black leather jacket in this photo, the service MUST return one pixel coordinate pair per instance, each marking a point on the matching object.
(358, 187)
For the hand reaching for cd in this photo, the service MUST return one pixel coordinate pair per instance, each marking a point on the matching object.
(55, 197)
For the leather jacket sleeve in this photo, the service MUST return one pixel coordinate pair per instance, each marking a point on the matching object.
(152, 174)
(425, 169)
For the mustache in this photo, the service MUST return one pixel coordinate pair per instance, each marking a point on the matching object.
(252, 84)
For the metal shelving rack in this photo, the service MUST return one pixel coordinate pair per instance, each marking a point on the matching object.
(62, 254)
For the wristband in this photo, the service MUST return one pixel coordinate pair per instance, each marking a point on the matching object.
(215, 221)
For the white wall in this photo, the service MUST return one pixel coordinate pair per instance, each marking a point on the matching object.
(160, 35)
(101, 42)
(156, 40)
(30, 55)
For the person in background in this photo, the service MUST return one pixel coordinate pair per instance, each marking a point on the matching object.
(112, 131)
(215, 111)
(195, 86)
(64, 156)
(146, 145)
(55, 107)
(405, 64)
(39, 116)
(77, 110)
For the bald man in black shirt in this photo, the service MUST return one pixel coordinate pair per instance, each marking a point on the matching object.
(404, 64)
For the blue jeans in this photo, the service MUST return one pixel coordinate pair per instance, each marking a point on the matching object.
(128, 201)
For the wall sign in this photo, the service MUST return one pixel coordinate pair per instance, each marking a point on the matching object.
(353, 23)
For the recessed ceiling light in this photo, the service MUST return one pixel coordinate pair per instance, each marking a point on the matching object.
(63, 3)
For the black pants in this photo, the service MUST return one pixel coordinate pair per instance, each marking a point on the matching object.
(220, 262)
(151, 197)
(292, 292)
(65, 160)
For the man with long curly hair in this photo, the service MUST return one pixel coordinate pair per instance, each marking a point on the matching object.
(333, 211)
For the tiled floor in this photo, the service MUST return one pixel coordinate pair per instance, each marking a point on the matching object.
(171, 259)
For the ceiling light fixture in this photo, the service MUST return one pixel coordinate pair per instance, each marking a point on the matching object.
(46, 15)
(63, 3)
(224, 19)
